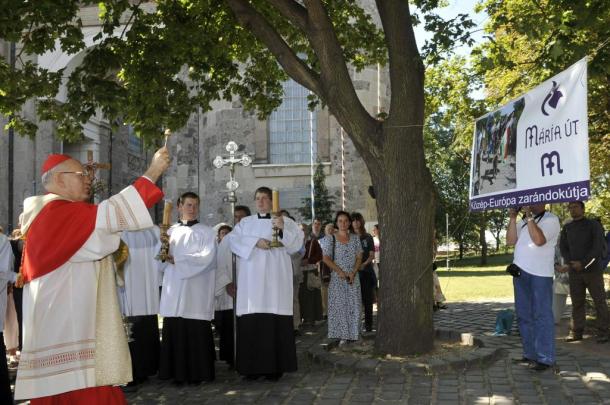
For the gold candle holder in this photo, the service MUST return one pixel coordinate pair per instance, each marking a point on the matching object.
(275, 243)
(164, 251)
(275, 211)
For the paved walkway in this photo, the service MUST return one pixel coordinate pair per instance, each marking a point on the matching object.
(583, 378)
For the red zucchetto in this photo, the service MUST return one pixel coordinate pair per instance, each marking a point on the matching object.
(52, 161)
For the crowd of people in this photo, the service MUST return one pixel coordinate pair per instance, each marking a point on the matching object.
(85, 288)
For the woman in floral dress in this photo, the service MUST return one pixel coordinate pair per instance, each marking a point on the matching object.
(343, 255)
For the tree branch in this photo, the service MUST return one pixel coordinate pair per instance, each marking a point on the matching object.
(133, 12)
(293, 11)
(405, 65)
(253, 21)
(26, 39)
(341, 95)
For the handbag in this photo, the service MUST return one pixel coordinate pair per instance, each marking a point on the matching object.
(324, 269)
(313, 279)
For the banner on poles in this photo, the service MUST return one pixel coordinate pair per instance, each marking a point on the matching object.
(534, 149)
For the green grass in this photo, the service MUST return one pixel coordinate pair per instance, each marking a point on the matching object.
(468, 281)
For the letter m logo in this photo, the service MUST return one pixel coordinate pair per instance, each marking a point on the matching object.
(550, 160)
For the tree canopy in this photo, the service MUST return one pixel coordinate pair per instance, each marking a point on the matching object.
(156, 62)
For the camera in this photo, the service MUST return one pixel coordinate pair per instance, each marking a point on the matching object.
(513, 270)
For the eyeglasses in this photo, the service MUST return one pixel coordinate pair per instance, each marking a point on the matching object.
(81, 174)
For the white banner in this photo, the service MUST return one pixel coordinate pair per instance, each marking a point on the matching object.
(534, 149)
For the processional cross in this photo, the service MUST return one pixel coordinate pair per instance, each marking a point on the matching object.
(92, 166)
(232, 160)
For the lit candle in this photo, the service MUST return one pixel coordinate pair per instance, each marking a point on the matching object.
(275, 196)
(167, 212)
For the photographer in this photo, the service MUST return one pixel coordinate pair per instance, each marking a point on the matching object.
(534, 238)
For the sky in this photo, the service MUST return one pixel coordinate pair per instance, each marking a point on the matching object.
(454, 8)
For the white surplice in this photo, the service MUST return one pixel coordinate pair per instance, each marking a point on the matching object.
(189, 283)
(264, 280)
(140, 295)
(6, 275)
(66, 357)
(224, 275)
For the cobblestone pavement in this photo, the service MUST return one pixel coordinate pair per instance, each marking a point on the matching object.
(583, 376)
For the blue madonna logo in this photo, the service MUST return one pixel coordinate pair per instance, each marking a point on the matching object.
(552, 98)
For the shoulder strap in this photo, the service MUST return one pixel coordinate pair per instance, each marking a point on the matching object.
(310, 248)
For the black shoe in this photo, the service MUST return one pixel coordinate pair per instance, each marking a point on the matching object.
(523, 361)
(130, 387)
(273, 376)
(602, 339)
(537, 366)
(574, 338)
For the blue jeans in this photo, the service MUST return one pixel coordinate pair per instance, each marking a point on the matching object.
(534, 306)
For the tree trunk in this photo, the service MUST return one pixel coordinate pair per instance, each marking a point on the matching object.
(461, 249)
(406, 208)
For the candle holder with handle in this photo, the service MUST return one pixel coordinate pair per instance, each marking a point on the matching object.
(164, 251)
(275, 243)
(275, 212)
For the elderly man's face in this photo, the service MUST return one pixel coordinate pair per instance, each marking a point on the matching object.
(72, 181)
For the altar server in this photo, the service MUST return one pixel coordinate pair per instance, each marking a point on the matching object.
(7, 276)
(140, 301)
(225, 289)
(265, 342)
(187, 298)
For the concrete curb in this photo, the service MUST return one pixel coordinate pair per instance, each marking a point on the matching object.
(481, 357)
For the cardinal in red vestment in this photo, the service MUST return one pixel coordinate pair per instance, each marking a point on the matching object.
(74, 346)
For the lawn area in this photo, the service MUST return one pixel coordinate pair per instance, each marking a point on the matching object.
(468, 281)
